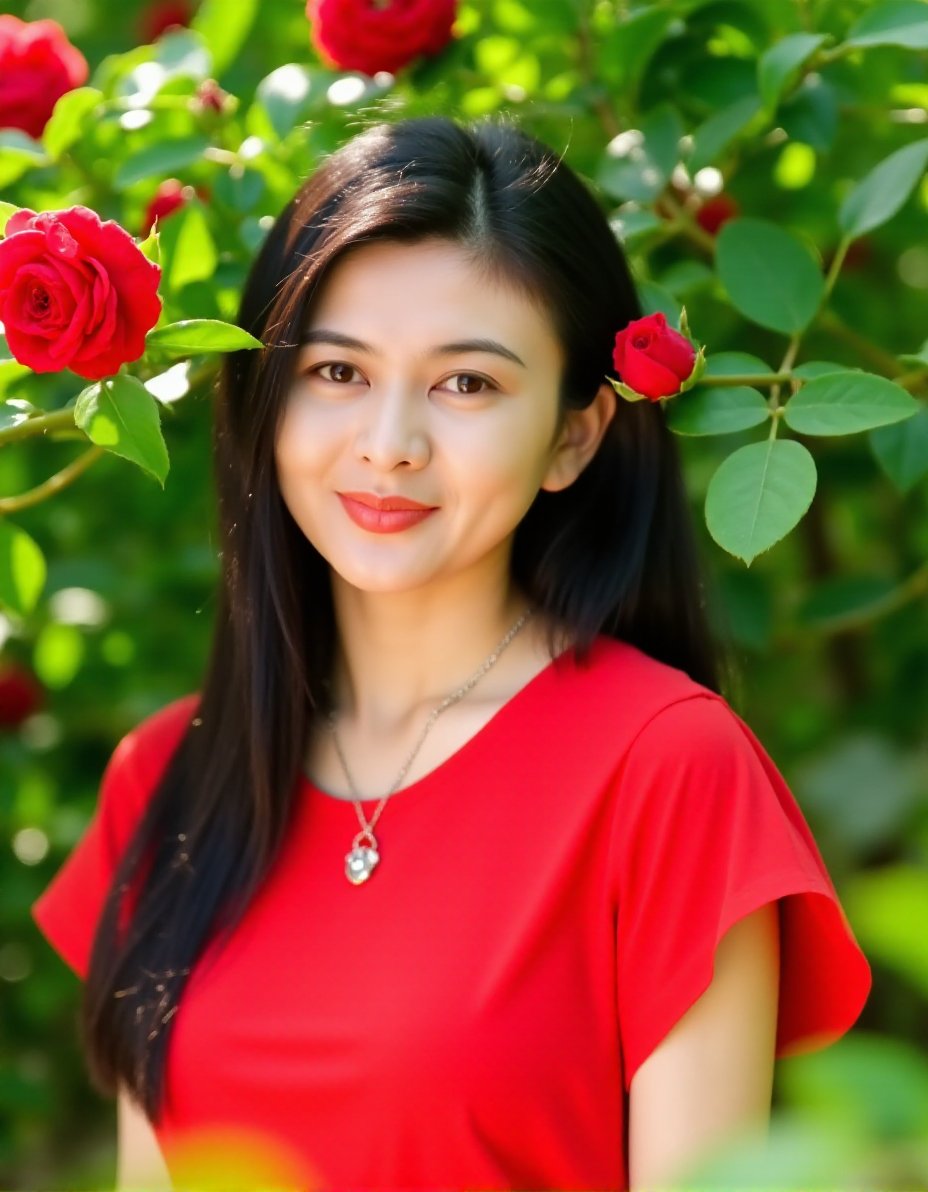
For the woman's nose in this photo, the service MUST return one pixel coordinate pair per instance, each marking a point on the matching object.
(393, 430)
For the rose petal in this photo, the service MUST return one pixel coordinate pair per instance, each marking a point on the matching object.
(26, 315)
(648, 377)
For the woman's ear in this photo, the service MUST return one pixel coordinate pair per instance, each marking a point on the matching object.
(579, 439)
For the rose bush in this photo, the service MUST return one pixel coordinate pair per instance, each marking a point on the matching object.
(359, 35)
(37, 66)
(75, 292)
(20, 694)
(653, 359)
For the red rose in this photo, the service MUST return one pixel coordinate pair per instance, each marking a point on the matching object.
(75, 292)
(716, 211)
(155, 19)
(372, 35)
(652, 358)
(168, 198)
(37, 66)
(20, 694)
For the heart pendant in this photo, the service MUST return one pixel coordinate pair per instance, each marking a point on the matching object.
(359, 863)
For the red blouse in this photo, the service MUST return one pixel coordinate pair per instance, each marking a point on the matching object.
(547, 906)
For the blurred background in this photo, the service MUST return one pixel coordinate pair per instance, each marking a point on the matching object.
(829, 625)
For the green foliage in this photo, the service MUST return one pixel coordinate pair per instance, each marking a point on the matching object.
(804, 444)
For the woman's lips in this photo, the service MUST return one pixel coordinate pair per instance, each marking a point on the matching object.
(382, 521)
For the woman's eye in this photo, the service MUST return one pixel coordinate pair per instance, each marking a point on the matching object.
(341, 371)
(472, 381)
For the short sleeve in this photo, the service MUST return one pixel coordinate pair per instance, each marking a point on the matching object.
(68, 910)
(706, 831)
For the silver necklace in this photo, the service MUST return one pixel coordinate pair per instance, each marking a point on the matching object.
(365, 851)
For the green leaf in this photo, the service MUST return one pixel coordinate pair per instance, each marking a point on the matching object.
(758, 494)
(224, 28)
(7, 211)
(200, 335)
(58, 654)
(150, 247)
(22, 569)
(770, 275)
(902, 450)
(16, 410)
(686, 276)
(653, 297)
(897, 23)
(811, 369)
(240, 189)
(187, 247)
(779, 64)
(287, 93)
(18, 153)
(734, 364)
(160, 160)
(638, 163)
(632, 224)
(624, 52)
(716, 133)
(121, 415)
(717, 411)
(69, 119)
(878, 196)
(847, 402)
(182, 53)
(810, 113)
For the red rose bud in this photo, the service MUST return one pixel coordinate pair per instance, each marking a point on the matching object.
(170, 196)
(75, 292)
(37, 66)
(20, 694)
(211, 97)
(716, 211)
(157, 18)
(653, 360)
(373, 35)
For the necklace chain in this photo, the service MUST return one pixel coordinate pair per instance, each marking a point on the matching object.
(368, 827)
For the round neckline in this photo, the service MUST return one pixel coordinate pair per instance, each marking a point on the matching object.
(471, 746)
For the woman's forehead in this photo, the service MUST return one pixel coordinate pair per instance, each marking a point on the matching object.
(431, 291)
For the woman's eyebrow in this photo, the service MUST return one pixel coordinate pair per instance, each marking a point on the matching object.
(320, 335)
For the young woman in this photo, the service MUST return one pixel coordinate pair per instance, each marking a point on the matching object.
(458, 870)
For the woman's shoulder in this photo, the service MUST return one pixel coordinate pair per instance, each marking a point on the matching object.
(602, 701)
(621, 671)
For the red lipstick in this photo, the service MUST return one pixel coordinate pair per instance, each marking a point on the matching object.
(383, 515)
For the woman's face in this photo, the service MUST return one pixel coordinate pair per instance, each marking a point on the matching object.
(389, 399)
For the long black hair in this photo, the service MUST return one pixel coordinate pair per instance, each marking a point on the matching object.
(614, 553)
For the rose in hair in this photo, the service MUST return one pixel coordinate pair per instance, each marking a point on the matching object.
(37, 66)
(75, 292)
(653, 360)
(373, 35)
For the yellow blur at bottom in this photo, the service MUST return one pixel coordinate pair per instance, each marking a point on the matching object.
(222, 1159)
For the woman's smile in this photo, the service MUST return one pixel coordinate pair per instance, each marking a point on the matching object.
(384, 520)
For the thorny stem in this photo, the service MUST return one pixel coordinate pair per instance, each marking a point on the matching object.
(54, 484)
(40, 425)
